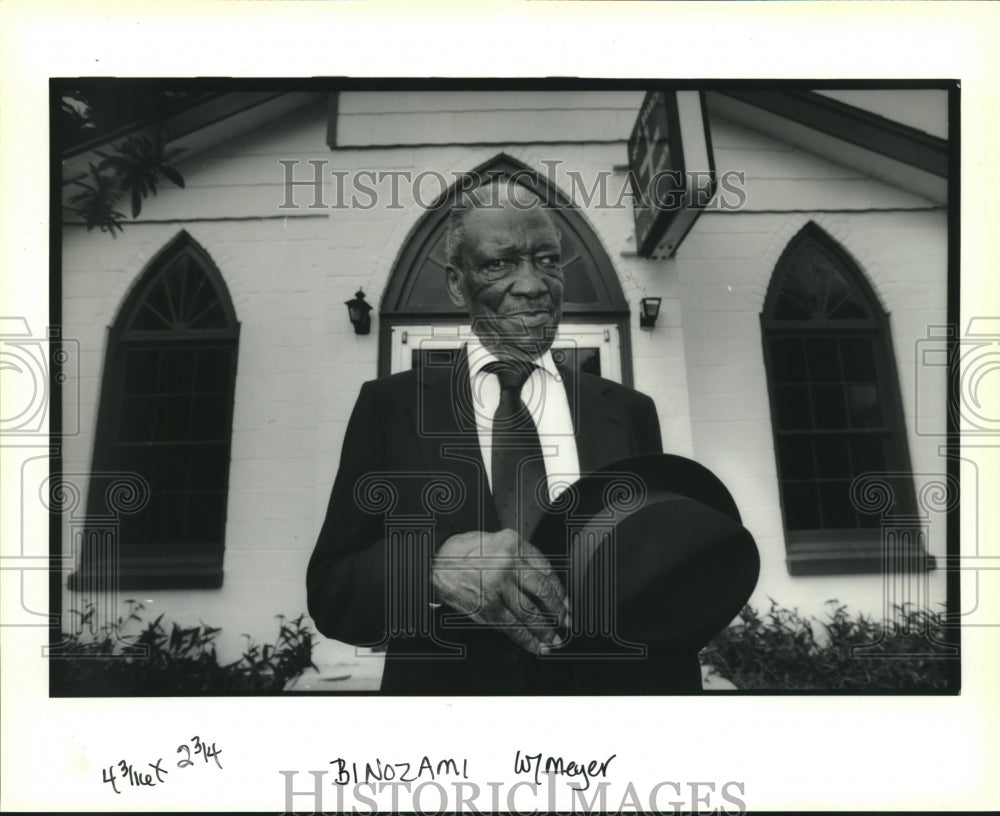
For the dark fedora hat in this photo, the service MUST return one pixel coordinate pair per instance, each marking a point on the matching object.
(657, 555)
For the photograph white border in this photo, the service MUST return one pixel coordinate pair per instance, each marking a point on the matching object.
(928, 753)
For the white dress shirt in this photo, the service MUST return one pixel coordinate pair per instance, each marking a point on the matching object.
(544, 395)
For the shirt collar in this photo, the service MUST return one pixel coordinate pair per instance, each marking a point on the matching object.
(479, 356)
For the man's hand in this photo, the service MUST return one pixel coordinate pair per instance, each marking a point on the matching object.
(500, 581)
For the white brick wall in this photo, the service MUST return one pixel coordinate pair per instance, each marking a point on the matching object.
(301, 365)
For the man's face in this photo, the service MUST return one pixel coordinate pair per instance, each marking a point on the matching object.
(510, 282)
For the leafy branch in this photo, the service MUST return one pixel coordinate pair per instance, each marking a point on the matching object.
(132, 168)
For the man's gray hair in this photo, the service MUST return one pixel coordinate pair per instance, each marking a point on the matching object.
(493, 194)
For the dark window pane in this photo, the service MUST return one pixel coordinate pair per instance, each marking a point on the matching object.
(141, 371)
(869, 520)
(155, 313)
(838, 512)
(586, 359)
(823, 359)
(814, 287)
(859, 364)
(142, 461)
(134, 459)
(135, 423)
(212, 318)
(174, 468)
(801, 505)
(902, 492)
(177, 371)
(433, 358)
(806, 285)
(215, 370)
(849, 308)
(796, 458)
(793, 407)
(211, 417)
(868, 453)
(210, 467)
(832, 456)
(788, 360)
(205, 513)
(864, 406)
(201, 308)
(181, 297)
(168, 514)
(578, 287)
(132, 530)
(828, 406)
(788, 308)
(589, 361)
(898, 487)
(429, 290)
(173, 416)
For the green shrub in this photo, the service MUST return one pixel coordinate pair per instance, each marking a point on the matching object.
(182, 661)
(780, 651)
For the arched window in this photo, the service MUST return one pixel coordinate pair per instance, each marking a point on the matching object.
(166, 414)
(595, 312)
(835, 405)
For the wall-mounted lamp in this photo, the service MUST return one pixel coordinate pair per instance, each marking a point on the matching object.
(649, 310)
(358, 309)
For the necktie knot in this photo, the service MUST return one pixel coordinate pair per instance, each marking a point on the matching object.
(510, 374)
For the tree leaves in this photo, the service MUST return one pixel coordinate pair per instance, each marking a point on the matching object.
(133, 167)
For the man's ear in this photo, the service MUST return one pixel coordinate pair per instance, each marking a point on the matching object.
(453, 278)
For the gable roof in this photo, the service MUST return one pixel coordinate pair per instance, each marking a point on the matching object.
(880, 147)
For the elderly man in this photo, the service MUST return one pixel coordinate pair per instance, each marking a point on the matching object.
(466, 603)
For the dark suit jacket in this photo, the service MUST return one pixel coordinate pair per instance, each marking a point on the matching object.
(411, 475)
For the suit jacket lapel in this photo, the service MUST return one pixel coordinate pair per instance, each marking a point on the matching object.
(599, 424)
(446, 428)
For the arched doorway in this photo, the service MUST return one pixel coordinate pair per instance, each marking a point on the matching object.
(417, 316)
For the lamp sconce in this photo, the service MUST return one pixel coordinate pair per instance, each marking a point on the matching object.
(649, 310)
(358, 309)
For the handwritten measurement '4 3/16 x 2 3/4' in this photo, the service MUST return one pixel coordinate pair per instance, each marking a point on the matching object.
(128, 776)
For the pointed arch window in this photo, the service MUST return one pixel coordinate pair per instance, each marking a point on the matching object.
(835, 405)
(166, 414)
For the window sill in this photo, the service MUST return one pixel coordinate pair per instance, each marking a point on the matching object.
(851, 552)
(178, 573)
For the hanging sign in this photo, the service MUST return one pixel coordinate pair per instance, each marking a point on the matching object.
(672, 168)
